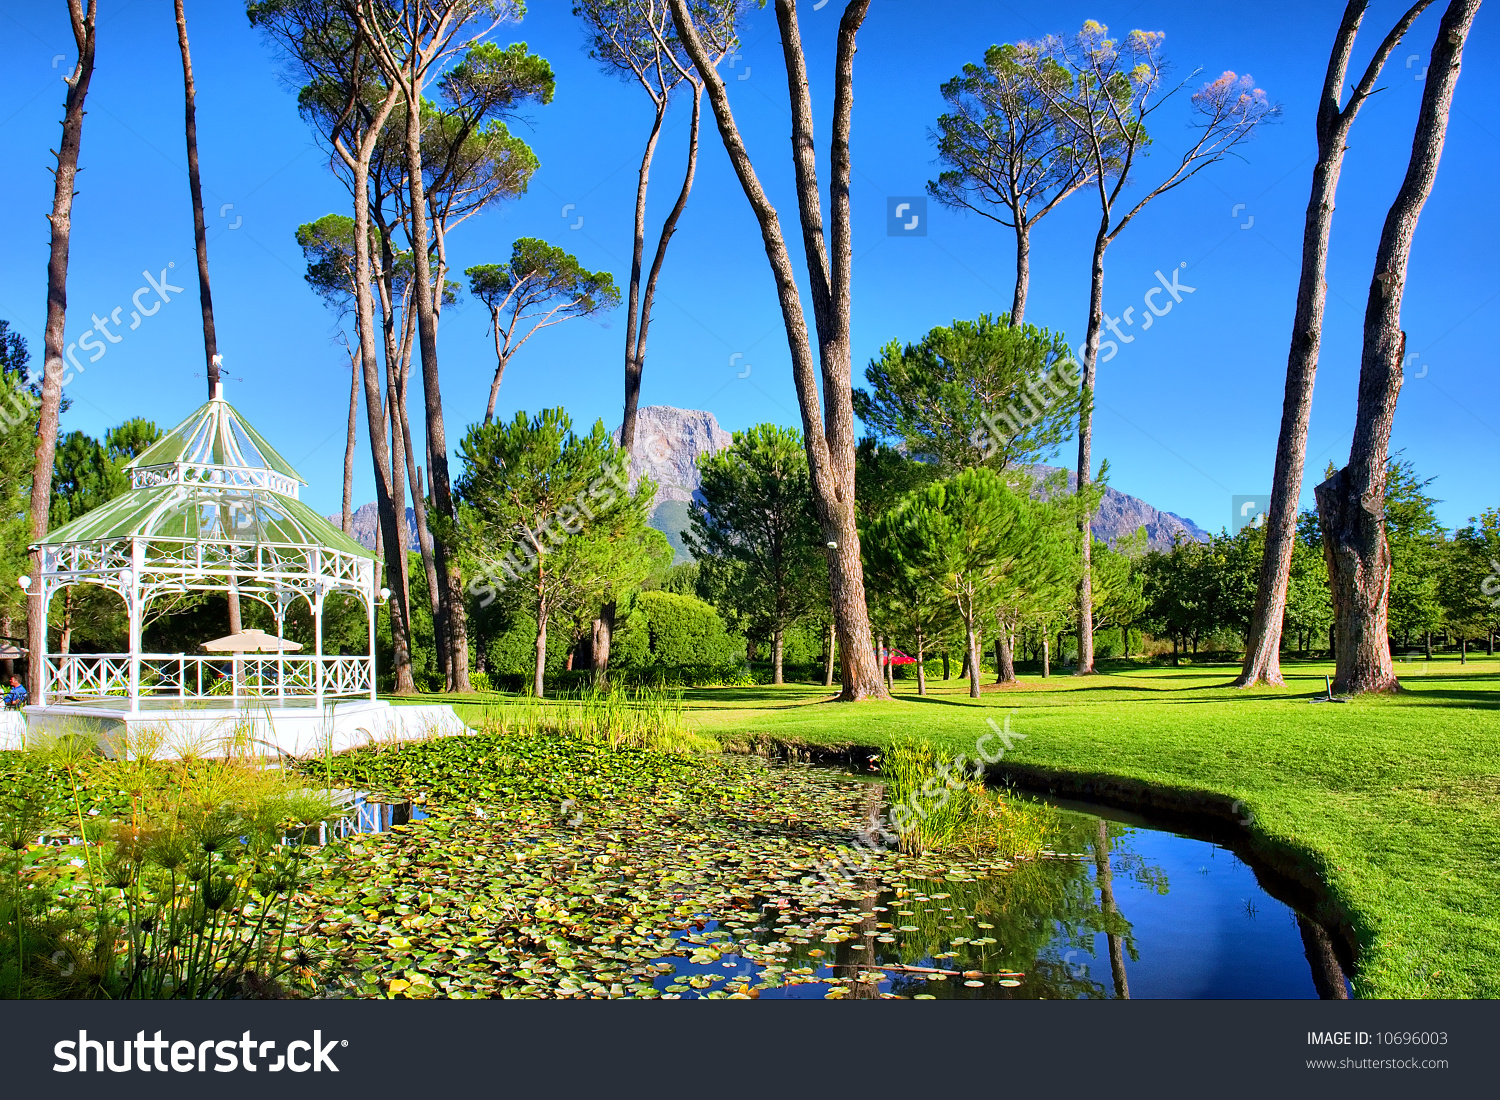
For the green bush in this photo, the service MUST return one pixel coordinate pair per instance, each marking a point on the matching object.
(513, 651)
(667, 630)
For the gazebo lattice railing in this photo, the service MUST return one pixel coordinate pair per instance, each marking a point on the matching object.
(211, 508)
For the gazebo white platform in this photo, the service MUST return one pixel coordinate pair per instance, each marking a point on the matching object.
(213, 508)
(167, 732)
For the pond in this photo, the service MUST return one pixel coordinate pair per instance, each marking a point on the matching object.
(1126, 911)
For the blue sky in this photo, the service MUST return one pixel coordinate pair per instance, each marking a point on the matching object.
(1187, 414)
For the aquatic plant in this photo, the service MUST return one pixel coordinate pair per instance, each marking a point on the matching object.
(951, 811)
(179, 880)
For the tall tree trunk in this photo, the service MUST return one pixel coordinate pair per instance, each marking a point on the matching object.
(921, 664)
(827, 435)
(1085, 451)
(52, 342)
(349, 443)
(65, 642)
(200, 232)
(946, 675)
(1427, 644)
(424, 535)
(450, 583)
(1351, 504)
(1023, 273)
(1104, 877)
(638, 324)
(972, 654)
(1262, 648)
(200, 237)
(1046, 662)
(778, 647)
(389, 542)
(633, 300)
(1005, 653)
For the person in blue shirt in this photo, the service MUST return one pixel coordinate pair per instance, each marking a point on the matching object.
(15, 698)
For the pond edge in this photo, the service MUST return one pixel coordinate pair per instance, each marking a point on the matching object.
(1288, 873)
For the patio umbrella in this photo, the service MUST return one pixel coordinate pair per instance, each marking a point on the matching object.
(251, 641)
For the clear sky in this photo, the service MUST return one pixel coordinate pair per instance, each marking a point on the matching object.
(1187, 414)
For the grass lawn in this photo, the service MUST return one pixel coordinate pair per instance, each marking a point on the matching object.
(1396, 800)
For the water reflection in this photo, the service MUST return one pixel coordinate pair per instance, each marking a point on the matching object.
(1119, 911)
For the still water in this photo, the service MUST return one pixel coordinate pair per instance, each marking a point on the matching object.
(1123, 910)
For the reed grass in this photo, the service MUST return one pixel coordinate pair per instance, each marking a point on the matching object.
(952, 812)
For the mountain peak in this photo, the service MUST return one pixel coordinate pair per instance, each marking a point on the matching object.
(668, 443)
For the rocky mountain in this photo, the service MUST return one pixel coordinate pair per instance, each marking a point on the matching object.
(365, 521)
(669, 441)
(1121, 515)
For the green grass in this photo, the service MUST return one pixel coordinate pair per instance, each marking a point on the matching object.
(1396, 800)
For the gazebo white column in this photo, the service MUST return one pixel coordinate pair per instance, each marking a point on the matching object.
(319, 591)
(131, 581)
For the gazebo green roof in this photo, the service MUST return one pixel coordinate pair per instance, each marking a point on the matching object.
(208, 479)
(215, 434)
(194, 512)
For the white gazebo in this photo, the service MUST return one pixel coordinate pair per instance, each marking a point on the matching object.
(212, 507)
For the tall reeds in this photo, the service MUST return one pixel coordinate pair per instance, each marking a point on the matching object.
(948, 811)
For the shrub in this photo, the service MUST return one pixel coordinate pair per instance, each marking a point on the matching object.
(678, 631)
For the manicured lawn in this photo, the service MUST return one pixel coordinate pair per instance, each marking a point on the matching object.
(1396, 800)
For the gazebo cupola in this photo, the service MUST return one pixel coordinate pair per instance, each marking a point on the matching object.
(212, 507)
